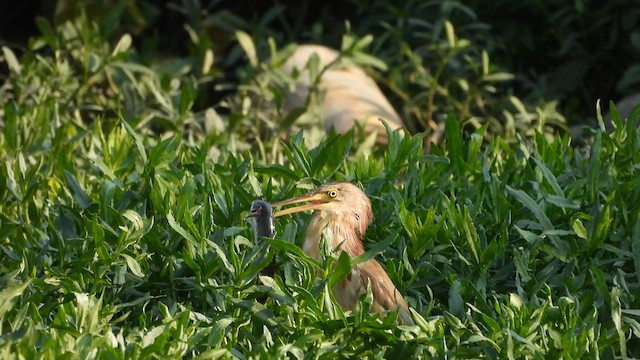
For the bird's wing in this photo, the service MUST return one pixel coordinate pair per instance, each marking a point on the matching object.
(385, 295)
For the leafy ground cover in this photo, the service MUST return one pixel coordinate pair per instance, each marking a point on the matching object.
(123, 236)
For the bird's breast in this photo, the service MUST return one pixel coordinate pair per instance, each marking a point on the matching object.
(340, 238)
(316, 230)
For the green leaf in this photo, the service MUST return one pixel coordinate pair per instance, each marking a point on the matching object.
(579, 229)
(133, 265)
(369, 60)
(300, 157)
(560, 245)
(456, 303)
(293, 249)
(11, 289)
(256, 309)
(292, 116)
(164, 152)
(188, 95)
(332, 152)
(616, 316)
(150, 337)
(47, 31)
(615, 116)
(247, 45)
(529, 203)
(471, 234)
(218, 331)
(77, 191)
(454, 322)
(594, 169)
(635, 246)
(276, 170)
(454, 144)
(451, 36)
(180, 230)
(94, 63)
(562, 202)
(341, 269)
(12, 182)
(11, 125)
(12, 60)
(223, 256)
(123, 44)
(137, 139)
(498, 77)
(551, 179)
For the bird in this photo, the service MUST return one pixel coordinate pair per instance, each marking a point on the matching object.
(346, 94)
(342, 213)
(261, 218)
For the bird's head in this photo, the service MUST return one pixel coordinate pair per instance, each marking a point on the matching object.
(342, 200)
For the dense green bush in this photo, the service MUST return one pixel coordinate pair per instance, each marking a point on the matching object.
(514, 66)
(122, 230)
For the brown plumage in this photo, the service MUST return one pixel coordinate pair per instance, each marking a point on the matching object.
(342, 214)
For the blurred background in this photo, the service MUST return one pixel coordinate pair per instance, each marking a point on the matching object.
(514, 66)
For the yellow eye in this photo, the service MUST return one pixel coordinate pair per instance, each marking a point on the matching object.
(332, 193)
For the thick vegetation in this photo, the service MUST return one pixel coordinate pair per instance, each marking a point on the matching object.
(122, 230)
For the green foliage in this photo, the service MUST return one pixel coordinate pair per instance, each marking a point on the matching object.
(431, 74)
(480, 59)
(122, 231)
(440, 62)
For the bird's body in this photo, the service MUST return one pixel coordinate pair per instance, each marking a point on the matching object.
(342, 214)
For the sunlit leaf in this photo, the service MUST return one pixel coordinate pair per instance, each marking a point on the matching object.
(133, 265)
(246, 42)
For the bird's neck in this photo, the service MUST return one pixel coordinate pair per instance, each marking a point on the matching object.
(342, 238)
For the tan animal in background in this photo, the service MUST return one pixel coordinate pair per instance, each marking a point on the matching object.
(347, 94)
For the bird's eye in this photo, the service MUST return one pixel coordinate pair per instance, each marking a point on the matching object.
(332, 193)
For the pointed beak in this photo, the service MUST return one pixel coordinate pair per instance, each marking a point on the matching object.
(313, 201)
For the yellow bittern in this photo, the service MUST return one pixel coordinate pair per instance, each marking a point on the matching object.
(342, 214)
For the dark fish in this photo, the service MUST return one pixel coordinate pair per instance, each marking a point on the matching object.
(261, 218)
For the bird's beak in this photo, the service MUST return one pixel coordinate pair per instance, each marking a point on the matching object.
(313, 202)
